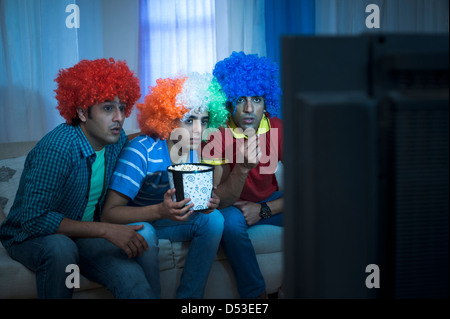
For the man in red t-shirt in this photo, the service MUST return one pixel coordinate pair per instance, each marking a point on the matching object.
(246, 155)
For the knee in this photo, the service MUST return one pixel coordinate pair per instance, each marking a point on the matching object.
(215, 221)
(233, 217)
(60, 249)
(234, 221)
(149, 234)
(210, 224)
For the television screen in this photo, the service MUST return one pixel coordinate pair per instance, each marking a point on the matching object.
(366, 169)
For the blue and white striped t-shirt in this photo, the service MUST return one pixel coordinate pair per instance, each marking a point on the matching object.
(141, 171)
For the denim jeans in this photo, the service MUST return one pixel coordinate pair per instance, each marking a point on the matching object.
(98, 260)
(204, 232)
(240, 252)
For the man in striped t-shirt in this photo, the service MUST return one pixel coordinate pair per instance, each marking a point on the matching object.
(139, 189)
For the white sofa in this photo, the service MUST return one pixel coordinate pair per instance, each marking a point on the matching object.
(16, 281)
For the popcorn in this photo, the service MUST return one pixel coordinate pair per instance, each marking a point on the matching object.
(188, 167)
(194, 181)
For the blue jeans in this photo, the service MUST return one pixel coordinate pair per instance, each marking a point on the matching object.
(98, 260)
(240, 252)
(204, 232)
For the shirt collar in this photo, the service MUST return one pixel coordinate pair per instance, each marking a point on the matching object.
(86, 148)
(264, 127)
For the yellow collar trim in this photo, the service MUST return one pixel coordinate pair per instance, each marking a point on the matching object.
(264, 127)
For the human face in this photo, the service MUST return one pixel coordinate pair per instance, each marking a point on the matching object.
(195, 123)
(103, 123)
(248, 112)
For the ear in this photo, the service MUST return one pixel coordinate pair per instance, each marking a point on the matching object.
(82, 114)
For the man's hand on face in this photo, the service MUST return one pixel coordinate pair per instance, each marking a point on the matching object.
(250, 152)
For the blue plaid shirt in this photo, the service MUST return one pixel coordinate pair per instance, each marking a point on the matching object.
(55, 184)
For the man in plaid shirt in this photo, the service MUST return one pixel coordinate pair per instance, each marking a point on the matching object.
(54, 221)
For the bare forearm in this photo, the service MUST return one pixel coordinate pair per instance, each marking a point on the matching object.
(116, 211)
(230, 190)
(276, 206)
(73, 228)
(129, 214)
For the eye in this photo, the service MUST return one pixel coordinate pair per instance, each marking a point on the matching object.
(108, 107)
(188, 121)
(205, 121)
(257, 99)
(122, 108)
(240, 100)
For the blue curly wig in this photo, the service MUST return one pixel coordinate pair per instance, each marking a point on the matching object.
(249, 75)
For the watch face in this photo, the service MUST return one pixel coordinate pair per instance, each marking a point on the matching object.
(265, 212)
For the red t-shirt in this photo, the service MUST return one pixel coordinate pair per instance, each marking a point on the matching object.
(222, 147)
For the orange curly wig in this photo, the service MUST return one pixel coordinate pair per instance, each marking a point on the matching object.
(90, 82)
(157, 115)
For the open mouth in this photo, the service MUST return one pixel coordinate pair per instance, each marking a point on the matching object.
(248, 120)
(116, 130)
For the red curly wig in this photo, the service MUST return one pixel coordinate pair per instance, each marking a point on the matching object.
(90, 82)
(160, 113)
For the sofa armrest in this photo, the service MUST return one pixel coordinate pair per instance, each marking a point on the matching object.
(132, 135)
(15, 149)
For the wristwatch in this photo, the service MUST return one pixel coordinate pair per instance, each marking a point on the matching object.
(265, 211)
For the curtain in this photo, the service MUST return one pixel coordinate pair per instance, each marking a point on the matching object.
(35, 43)
(176, 37)
(180, 36)
(240, 27)
(287, 17)
(348, 16)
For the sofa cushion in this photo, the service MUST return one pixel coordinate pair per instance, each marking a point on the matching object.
(166, 258)
(17, 281)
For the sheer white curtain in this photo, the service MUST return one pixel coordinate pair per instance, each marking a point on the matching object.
(35, 43)
(180, 36)
(240, 27)
(348, 16)
(176, 37)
